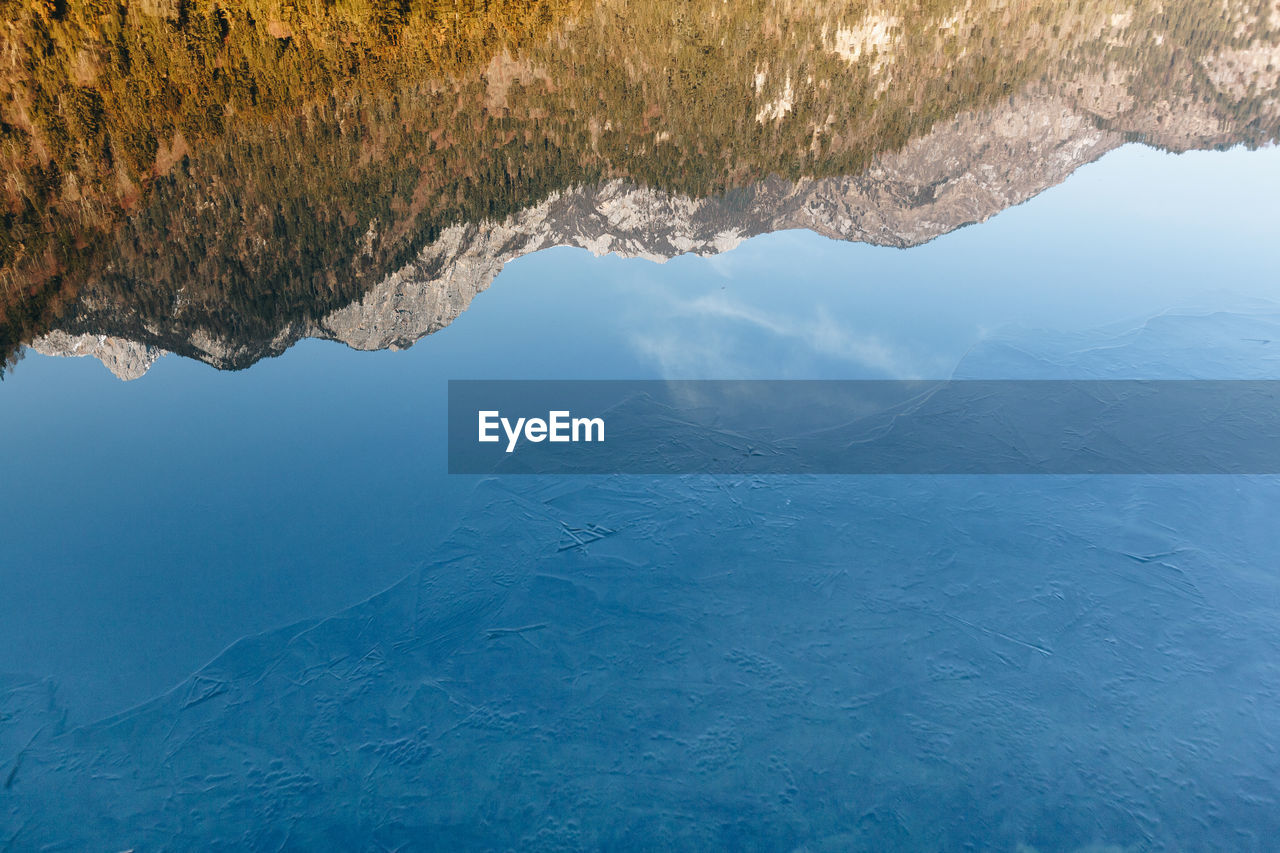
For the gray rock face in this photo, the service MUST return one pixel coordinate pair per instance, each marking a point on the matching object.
(964, 171)
(961, 173)
(126, 359)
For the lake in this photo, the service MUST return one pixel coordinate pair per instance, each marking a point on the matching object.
(245, 605)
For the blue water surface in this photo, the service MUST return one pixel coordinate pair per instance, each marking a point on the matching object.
(251, 610)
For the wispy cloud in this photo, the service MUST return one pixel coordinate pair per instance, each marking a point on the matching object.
(717, 334)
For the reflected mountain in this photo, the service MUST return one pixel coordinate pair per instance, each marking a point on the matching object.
(221, 184)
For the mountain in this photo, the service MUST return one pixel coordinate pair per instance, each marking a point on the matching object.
(960, 173)
(405, 181)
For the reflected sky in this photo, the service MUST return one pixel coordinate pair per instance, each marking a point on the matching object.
(1136, 234)
(148, 524)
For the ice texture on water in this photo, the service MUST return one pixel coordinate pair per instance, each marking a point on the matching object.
(693, 663)
(1189, 343)
(880, 663)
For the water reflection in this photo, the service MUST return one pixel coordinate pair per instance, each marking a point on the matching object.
(252, 610)
(221, 183)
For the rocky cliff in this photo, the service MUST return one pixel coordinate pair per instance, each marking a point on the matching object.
(126, 359)
(962, 172)
(364, 183)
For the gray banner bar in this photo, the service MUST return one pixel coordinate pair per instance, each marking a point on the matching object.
(864, 427)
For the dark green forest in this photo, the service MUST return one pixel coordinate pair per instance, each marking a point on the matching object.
(248, 164)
